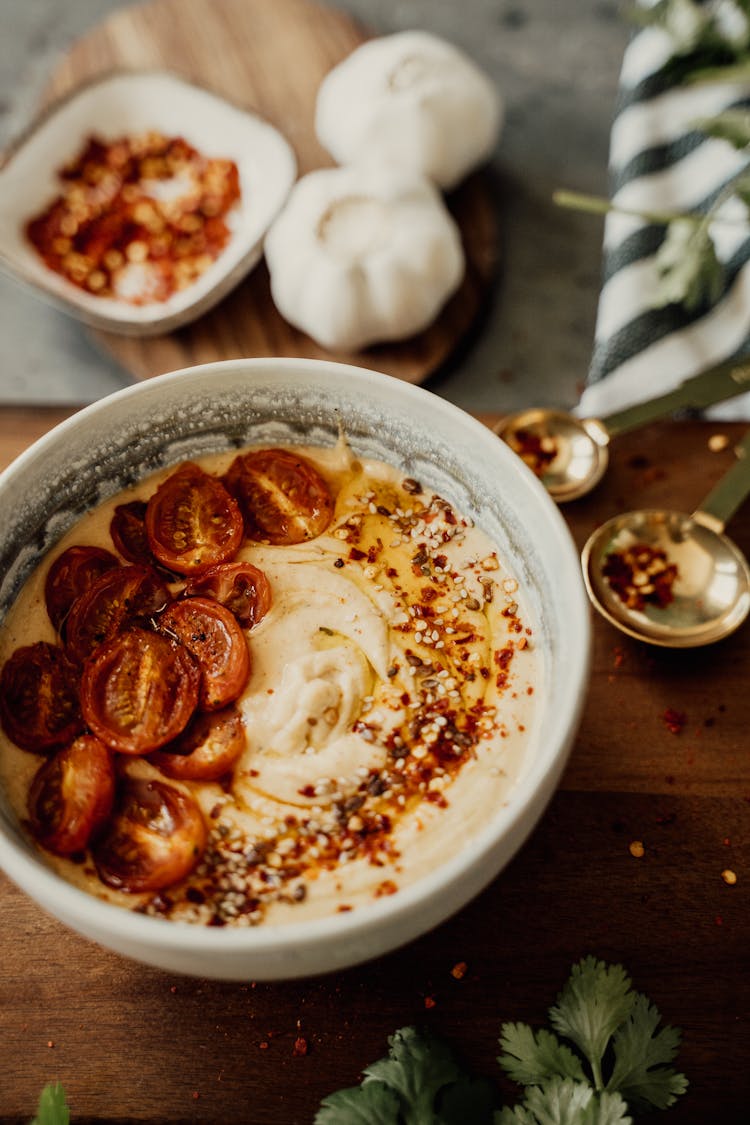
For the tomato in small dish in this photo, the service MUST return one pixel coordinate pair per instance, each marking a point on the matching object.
(139, 691)
(71, 575)
(155, 838)
(71, 796)
(214, 637)
(283, 497)
(240, 586)
(192, 522)
(39, 708)
(120, 596)
(206, 750)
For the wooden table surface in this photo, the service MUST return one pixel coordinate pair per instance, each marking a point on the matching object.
(135, 1044)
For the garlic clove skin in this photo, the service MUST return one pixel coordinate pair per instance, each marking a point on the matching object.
(411, 99)
(363, 254)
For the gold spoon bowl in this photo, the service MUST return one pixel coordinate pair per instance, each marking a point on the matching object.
(570, 455)
(669, 578)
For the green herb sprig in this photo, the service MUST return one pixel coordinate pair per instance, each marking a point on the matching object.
(603, 1060)
(710, 42)
(53, 1107)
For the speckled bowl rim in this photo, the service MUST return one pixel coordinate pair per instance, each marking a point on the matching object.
(321, 381)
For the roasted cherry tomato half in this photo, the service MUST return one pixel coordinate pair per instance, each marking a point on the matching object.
(206, 750)
(283, 497)
(39, 708)
(192, 522)
(139, 690)
(128, 531)
(121, 596)
(214, 637)
(240, 586)
(71, 796)
(71, 574)
(155, 838)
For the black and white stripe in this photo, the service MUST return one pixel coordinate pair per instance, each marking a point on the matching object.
(659, 162)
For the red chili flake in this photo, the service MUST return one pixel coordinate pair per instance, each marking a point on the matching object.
(111, 232)
(50, 1042)
(538, 450)
(356, 555)
(196, 1095)
(430, 1002)
(727, 842)
(641, 575)
(718, 920)
(459, 970)
(264, 1045)
(300, 1047)
(674, 720)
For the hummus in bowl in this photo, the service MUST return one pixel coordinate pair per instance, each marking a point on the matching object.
(412, 668)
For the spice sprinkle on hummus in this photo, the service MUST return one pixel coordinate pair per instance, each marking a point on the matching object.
(262, 686)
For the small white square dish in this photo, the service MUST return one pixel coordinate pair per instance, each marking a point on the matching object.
(134, 104)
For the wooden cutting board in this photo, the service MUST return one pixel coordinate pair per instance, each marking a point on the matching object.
(269, 56)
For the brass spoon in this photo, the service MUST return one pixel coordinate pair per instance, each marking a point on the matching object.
(710, 592)
(570, 455)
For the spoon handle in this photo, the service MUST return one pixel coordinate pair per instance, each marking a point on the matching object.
(714, 385)
(725, 498)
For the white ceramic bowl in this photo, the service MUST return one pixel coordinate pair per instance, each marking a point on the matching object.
(136, 102)
(217, 406)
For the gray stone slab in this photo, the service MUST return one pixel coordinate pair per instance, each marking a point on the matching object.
(556, 64)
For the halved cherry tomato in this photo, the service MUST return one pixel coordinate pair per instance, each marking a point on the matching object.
(139, 690)
(71, 796)
(39, 708)
(71, 574)
(155, 838)
(214, 637)
(123, 595)
(192, 522)
(283, 497)
(240, 586)
(206, 750)
(128, 530)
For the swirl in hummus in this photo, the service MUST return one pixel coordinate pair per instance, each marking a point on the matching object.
(386, 713)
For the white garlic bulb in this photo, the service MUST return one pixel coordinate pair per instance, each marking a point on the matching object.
(413, 99)
(363, 254)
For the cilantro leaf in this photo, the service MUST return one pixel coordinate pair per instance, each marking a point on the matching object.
(596, 999)
(640, 1073)
(52, 1108)
(419, 1083)
(689, 271)
(418, 1067)
(374, 1104)
(528, 1058)
(562, 1101)
(472, 1099)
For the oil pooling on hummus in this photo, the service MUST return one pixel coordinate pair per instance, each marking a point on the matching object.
(383, 715)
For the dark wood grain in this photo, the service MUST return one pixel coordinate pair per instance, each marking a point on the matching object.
(136, 1044)
(269, 56)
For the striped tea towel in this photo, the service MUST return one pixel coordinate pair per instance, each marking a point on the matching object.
(659, 162)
